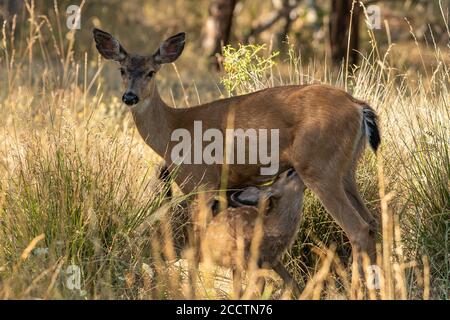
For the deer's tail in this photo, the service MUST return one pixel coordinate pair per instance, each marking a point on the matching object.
(370, 127)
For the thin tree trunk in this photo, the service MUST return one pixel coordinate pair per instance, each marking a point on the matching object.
(339, 27)
(289, 15)
(218, 25)
(283, 11)
(9, 8)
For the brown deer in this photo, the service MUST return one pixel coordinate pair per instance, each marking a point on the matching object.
(322, 132)
(280, 208)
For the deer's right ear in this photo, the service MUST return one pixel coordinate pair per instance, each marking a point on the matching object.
(248, 197)
(170, 49)
(108, 46)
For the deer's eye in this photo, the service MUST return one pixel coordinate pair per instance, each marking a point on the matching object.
(122, 71)
(150, 74)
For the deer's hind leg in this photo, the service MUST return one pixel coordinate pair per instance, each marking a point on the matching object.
(355, 199)
(322, 164)
(351, 187)
(328, 186)
(353, 195)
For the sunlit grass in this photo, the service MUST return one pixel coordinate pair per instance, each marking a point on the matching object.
(77, 179)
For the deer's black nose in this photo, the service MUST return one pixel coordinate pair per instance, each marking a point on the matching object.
(130, 98)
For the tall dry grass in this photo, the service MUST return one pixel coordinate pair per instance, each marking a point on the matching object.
(78, 187)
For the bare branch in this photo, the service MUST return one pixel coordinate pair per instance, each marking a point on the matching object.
(371, 2)
(283, 13)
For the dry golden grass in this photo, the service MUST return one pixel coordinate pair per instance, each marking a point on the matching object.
(78, 186)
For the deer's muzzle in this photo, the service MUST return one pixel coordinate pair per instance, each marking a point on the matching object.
(130, 98)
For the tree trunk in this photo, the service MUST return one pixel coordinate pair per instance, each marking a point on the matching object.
(289, 16)
(10, 7)
(218, 25)
(339, 27)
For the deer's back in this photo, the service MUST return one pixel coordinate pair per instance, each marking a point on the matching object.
(325, 119)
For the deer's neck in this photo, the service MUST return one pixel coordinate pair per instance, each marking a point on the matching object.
(286, 220)
(154, 121)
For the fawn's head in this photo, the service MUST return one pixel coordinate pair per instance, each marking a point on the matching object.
(138, 72)
(282, 195)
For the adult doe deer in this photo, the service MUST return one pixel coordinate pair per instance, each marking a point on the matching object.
(280, 205)
(322, 133)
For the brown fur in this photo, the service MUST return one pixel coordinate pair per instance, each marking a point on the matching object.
(321, 135)
(280, 224)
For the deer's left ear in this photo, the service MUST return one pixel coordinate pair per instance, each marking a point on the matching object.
(248, 197)
(108, 46)
(170, 49)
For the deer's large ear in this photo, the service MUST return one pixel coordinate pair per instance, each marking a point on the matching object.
(170, 49)
(249, 197)
(108, 46)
